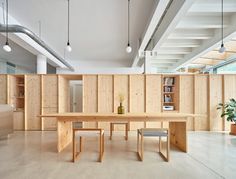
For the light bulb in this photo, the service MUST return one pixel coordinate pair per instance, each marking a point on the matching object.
(68, 47)
(222, 48)
(128, 49)
(6, 47)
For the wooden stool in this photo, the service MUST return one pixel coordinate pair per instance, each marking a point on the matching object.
(112, 124)
(87, 132)
(153, 132)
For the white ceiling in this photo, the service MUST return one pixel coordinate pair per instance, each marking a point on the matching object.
(98, 27)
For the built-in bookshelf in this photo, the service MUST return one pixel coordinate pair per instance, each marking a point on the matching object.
(17, 92)
(170, 93)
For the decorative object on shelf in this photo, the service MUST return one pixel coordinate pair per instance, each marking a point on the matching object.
(68, 47)
(169, 81)
(168, 108)
(229, 111)
(128, 48)
(7, 47)
(222, 48)
(167, 98)
(121, 108)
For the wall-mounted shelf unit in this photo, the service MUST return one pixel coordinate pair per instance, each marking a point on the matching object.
(170, 93)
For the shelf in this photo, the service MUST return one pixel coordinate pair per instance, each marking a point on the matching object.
(169, 85)
(169, 102)
(168, 92)
(21, 85)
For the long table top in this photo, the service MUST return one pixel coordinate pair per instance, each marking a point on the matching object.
(108, 117)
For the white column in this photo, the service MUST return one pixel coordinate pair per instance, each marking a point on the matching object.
(147, 63)
(41, 64)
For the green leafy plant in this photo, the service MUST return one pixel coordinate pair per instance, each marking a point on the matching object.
(229, 110)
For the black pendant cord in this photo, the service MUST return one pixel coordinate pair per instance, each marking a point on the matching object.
(128, 21)
(68, 25)
(7, 22)
(222, 22)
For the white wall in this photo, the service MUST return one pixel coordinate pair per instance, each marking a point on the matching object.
(100, 67)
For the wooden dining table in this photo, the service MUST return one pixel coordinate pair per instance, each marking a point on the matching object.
(177, 124)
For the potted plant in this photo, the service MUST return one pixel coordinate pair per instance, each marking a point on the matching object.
(121, 108)
(229, 111)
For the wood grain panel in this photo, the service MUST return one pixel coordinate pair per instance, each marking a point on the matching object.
(229, 92)
(3, 89)
(186, 97)
(153, 97)
(49, 100)
(201, 102)
(18, 120)
(105, 97)
(121, 86)
(90, 97)
(33, 102)
(137, 98)
(64, 94)
(215, 97)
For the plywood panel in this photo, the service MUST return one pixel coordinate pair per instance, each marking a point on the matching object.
(49, 123)
(33, 102)
(186, 97)
(50, 91)
(18, 120)
(90, 97)
(64, 94)
(49, 100)
(215, 97)
(137, 98)
(121, 86)
(201, 102)
(229, 92)
(3, 89)
(153, 97)
(105, 97)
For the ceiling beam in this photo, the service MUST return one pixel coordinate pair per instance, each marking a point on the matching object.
(201, 22)
(182, 43)
(176, 50)
(169, 56)
(191, 34)
(161, 6)
(175, 12)
(154, 61)
(210, 44)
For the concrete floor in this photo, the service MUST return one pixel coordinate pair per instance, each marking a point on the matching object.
(33, 155)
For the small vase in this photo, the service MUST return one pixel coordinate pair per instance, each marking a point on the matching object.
(121, 109)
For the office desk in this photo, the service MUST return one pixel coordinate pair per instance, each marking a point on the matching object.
(177, 124)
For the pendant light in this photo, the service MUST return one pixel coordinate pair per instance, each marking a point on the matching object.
(6, 47)
(128, 48)
(68, 47)
(222, 48)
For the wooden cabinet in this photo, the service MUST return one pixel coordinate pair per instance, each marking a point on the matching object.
(18, 120)
(49, 100)
(3, 89)
(33, 102)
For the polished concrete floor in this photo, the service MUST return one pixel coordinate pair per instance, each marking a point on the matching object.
(33, 155)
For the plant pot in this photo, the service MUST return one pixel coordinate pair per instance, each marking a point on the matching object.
(233, 129)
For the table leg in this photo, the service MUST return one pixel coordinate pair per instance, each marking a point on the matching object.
(64, 133)
(178, 135)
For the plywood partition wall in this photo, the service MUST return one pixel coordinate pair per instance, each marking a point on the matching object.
(33, 102)
(215, 97)
(137, 98)
(153, 96)
(105, 97)
(63, 94)
(49, 100)
(229, 91)
(3, 89)
(186, 96)
(201, 102)
(90, 100)
(121, 86)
